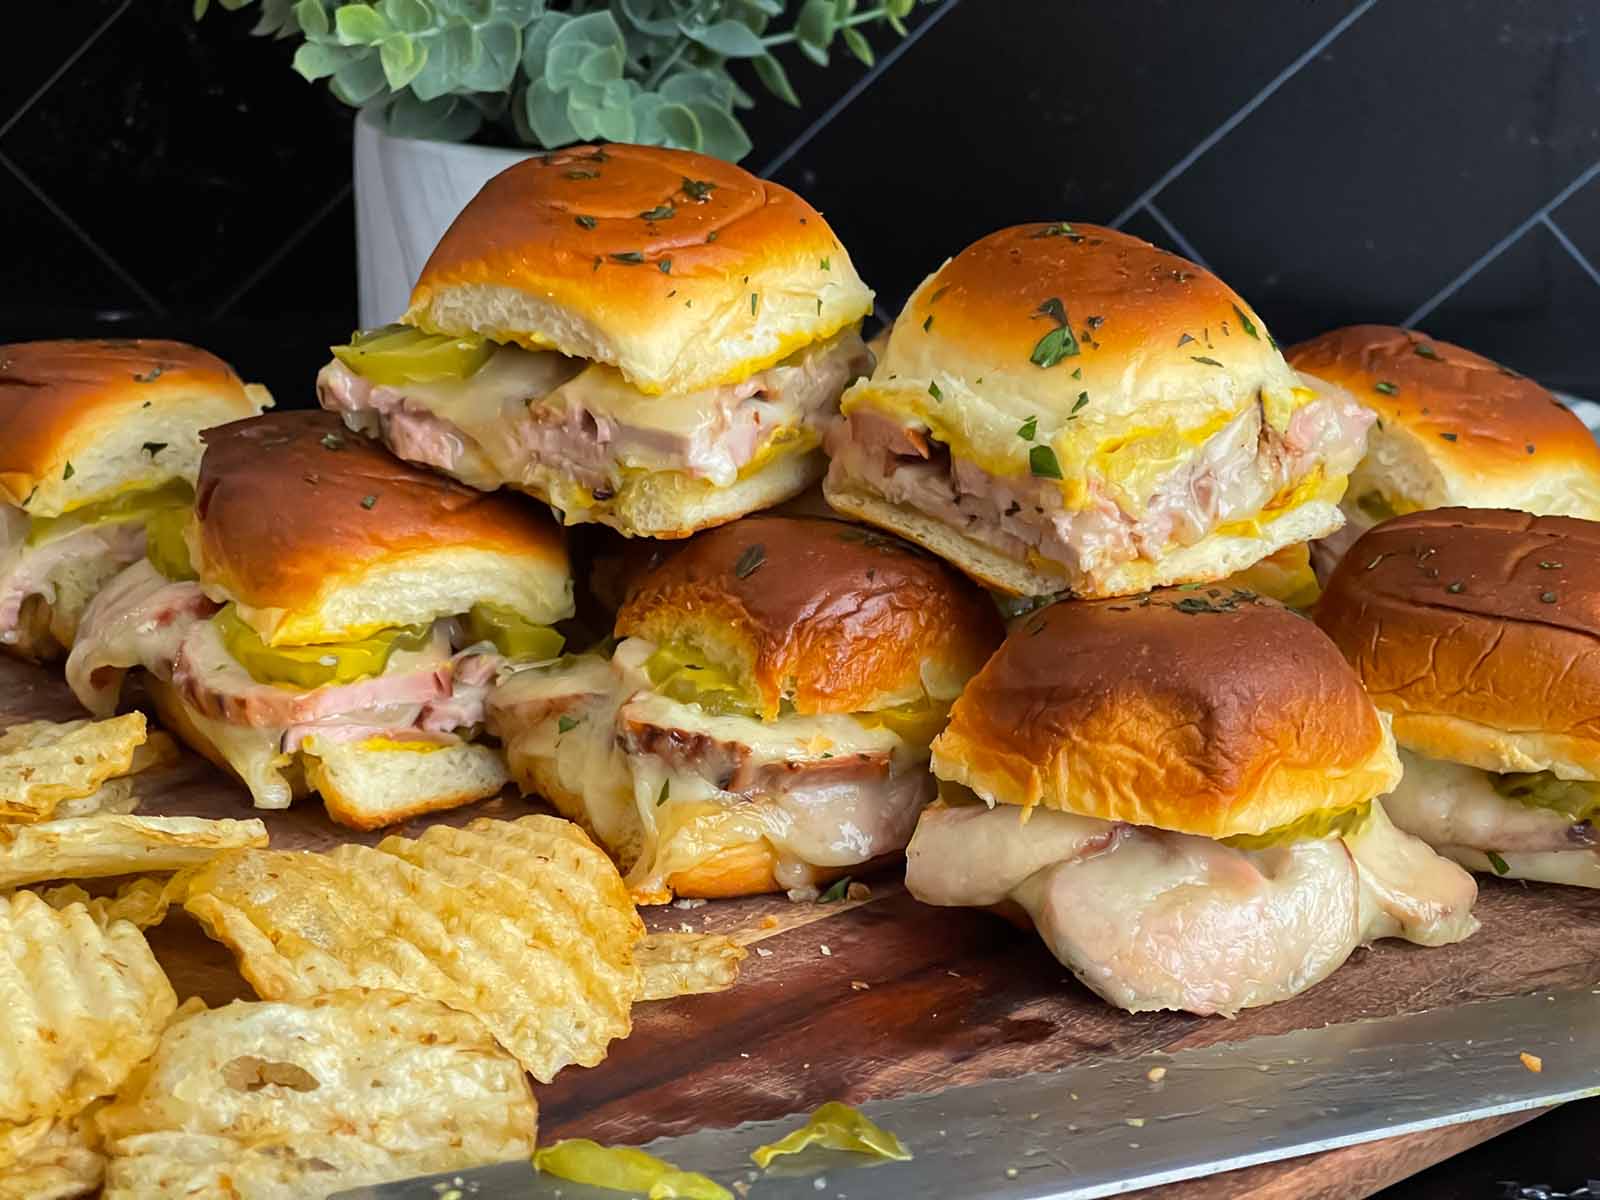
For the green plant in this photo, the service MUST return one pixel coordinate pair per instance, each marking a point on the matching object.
(651, 71)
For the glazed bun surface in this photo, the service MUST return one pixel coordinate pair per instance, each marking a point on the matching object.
(1205, 711)
(1456, 428)
(83, 421)
(1479, 631)
(829, 616)
(682, 271)
(319, 535)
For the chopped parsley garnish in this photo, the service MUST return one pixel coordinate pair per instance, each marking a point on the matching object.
(68, 473)
(750, 561)
(1245, 323)
(933, 390)
(368, 501)
(1185, 340)
(150, 376)
(1547, 597)
(631, 258)
(1501, 867)
(1386, 388)
(1059, 342)
(1547, 565)
(580, 173)
(1083, 398)
(1029, 429)
(1059, 229)
(660, 212)
(837, 891)
(698, 190)
(665, 793)
(154, 448)
(1426, 351)
(566, 724)
(826, 264)
(928, 323)
(332, 441)
(1042, 463)
(1456, 588)
(1449, 437)
(934, 299)
(1201, 358)
(665, 266)
(586, 222)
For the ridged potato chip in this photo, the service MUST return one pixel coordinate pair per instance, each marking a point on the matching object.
(144, 902)
(112, 796)
(43, 763)
(265, 1100)
(116, 844)
(50, 1159)
(81, 1007)
(525, 923)
(688, 964)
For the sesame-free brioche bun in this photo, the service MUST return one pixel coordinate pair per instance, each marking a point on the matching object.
(1120, 363)
(319, 535)
(682, 271)
(1205, 711)
(1479, 631)
(83, 421)
(1284, 575)
(829, 616)
(1455, 428)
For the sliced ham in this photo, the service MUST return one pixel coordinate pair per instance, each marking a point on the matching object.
(139, 619)
(1450, 804)
(1232, 476)
(526, 413)
(1151, 919)
(65, 571)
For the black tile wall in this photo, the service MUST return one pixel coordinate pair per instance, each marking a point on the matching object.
(1336, 160)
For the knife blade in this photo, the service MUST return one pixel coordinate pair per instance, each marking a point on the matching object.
(1101, 1128)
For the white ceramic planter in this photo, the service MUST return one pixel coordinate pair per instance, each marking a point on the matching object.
(407, 193)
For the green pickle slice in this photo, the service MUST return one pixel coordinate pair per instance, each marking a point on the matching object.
(624, 1169)
(164, 545)
(682, 674)
(401, 354)
(1327, 823)
(836, 1126)
(130, 506)
(1575, 798)
(512, 633)
(314, 666)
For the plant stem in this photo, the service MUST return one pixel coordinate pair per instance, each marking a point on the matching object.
(659, 71)
(783, 39)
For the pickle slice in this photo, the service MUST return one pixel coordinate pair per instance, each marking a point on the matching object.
(1325, 823)
(130, 506)
(400, 354)
(1575, 798)
(513, 634)
(164, 545)
(917, 723)
(682, 674)
(314, 666)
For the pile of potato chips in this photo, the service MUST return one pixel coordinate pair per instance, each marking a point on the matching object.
(407, 990)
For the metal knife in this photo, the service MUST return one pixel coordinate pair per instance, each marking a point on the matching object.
(1105, 1127)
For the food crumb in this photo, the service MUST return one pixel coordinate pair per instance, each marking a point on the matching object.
(685, 927)
(1156, 1074)
(1012, 1172)
(689, 902)
(1136, 1122)
(953, 974)
(820, 1182)
(858, 891)
(1532, 1061)
(763, 952)
(857, 985)
(826, 953)
(769, 922)
(741, 1187)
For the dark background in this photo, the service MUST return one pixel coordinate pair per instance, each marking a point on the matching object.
(1386, 160)
(1427, 161)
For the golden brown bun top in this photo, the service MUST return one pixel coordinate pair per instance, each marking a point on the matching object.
(1150, 326)
(56, 394)
(1209, 711)
(290, 505)
(681, 270)
(830, 616)
(1477, 418)
(1484, 616)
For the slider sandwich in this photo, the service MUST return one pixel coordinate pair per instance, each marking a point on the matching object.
(1453, 428)
(1179, 791)
(97, 440)
(1477, 630)
(330, 619)
(763, 721)
(641, 337)
(1069, 408)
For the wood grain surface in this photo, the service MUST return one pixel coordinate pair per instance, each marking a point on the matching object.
(870, 999)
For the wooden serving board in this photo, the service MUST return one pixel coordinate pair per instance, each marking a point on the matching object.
(870, 999)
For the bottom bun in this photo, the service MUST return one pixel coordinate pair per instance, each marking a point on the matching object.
(1212, 558)
(367, 787)
(32, 638)
(670, 504)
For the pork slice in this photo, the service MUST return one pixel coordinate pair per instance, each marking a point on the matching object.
(1450, 804)
(65, 571)
(210, 679)
(139, 619)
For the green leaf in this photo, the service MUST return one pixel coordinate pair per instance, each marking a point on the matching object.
(677, 126)
(859, 46)
(499, 46)
(200, 7)
(518, 12)
(816, 24)
(546, 110)
(817, 54)
(312, 19)
(639, 14)
(448, 119)
(602, 66)
(770, 8)
(1042, 463)
(315, 61)
(1053, 347)
(407, 16)
(450, 51)
(359, 80)
(402, 58)
(775, 79)
(360, 25)
(722, 135)
(536, 40)
(727, 38)
(572, 44)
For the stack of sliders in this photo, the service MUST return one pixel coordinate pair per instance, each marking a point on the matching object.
(641, 337)
(1476, 630)
(763, 723)
(1067, 408)
(331, 619)
(1179, 791)
(1453, 428)
(98, 441)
